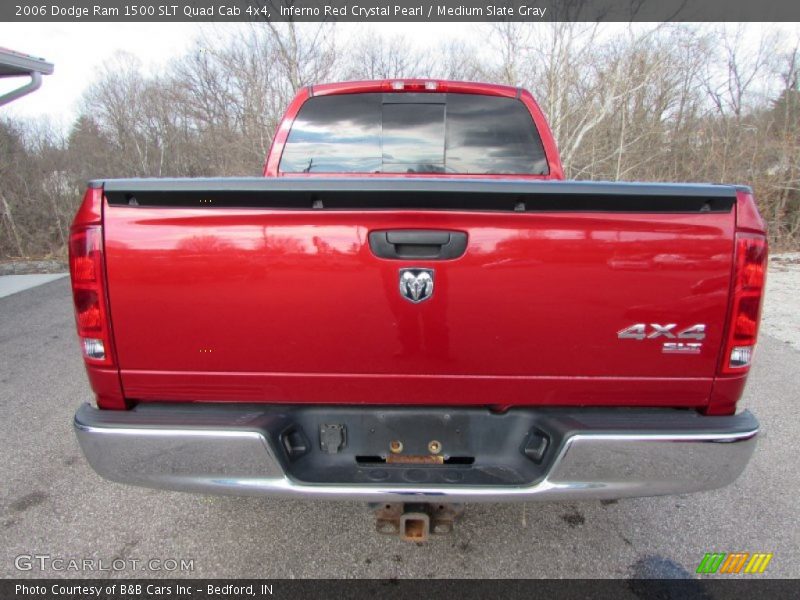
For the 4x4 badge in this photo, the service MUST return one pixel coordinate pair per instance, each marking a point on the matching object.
(416, 285)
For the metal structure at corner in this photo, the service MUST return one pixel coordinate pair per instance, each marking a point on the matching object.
(16, 64)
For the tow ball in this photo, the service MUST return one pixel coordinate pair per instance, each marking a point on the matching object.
(415, 522)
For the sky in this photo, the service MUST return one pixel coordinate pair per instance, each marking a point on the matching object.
(78, 50)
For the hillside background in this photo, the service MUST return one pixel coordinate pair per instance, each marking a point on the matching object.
(657, 103)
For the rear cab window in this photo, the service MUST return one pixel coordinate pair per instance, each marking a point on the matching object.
(414, 133)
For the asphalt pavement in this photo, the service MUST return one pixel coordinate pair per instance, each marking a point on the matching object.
(52, 504)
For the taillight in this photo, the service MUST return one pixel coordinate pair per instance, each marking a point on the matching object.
(750, 264)
(87, 272)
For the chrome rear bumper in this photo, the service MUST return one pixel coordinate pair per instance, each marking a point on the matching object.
(592, 454)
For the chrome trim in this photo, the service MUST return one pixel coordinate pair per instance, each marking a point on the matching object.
(416, 284)
(225, 460)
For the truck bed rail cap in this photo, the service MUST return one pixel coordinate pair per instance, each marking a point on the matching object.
(379, 184)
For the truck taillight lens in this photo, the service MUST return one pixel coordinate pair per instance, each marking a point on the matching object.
(748, 292)
(91, 311)
(85, 252)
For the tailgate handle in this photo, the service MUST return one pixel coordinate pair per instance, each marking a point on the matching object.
(429, 244)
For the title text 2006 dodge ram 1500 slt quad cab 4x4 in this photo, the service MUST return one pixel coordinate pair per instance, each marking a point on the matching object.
(412, 306)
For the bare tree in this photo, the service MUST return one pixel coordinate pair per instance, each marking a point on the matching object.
(372, 56)
(666, 102)
(305, 54)
(730, 80)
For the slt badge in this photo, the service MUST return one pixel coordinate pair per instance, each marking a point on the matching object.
(416, 285)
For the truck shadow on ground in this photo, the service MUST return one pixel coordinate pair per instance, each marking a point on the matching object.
(490, 540)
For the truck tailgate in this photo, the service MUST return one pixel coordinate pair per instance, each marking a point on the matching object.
(269, 291)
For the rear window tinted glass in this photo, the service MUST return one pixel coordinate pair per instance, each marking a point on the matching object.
(413, 133)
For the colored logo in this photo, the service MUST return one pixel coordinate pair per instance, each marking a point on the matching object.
(734, 562)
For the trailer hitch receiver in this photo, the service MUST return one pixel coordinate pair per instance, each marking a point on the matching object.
(415, 522)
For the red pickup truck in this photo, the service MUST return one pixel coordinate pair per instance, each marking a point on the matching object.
(413, 306)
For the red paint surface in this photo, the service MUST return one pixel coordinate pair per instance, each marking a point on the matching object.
(236, 304)
(271, 306)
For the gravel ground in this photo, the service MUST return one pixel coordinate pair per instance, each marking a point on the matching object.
(781, 317)
(52, 503)
(27, 267)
